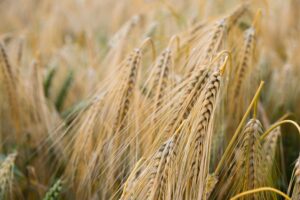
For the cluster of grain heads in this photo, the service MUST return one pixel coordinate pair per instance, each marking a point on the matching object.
(293, 189)
(187, 101)
(247, 169)
(105, 152)
(161, 173)
(186, 128)
(7, 175)
(211, 38)
(85, 101)
(252, 163)
(231, 160)
(28, 117)
(191, 93)
(205, 50)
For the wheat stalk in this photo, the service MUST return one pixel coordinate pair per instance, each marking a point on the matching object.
(157, 181)
(11, 86)
(294, 186)
(6, 174)
(133, 63)
(269, 148)
(245, 61)
(200, 136)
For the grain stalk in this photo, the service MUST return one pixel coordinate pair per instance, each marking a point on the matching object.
(11, 87)
(295, 181)
(261, 189)
(201, 136)
(7, 174)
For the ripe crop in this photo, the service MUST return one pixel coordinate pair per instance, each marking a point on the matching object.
(149, 99)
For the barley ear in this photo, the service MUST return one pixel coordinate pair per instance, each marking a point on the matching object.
(54, 192)
(6, 174)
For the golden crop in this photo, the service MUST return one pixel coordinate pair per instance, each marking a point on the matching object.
(149, 99)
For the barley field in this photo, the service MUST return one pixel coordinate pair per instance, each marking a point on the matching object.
(149, 99)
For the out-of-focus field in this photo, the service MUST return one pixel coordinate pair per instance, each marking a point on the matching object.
(149, 99)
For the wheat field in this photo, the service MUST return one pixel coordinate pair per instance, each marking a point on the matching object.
(149, 99)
